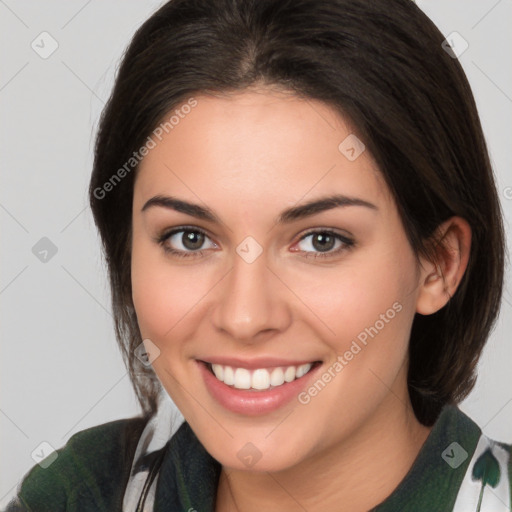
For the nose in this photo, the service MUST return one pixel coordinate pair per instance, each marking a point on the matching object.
(252, 301)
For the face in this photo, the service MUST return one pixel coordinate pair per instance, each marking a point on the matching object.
(250, 279)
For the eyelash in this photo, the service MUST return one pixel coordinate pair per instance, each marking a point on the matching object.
(347, 243)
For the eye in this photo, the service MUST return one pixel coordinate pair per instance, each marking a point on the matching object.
(187, 241)
(184, 242)
(324, 241)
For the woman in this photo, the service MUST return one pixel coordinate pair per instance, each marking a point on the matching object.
(306, 250)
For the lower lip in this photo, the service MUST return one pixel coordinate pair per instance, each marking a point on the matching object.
(252, 402)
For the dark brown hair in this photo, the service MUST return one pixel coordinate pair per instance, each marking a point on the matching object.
(381, 65)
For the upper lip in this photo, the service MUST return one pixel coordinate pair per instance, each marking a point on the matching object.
(254, 364)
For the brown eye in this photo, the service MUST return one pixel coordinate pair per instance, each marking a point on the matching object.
(184, 242)
(192, 240)
(324, 242)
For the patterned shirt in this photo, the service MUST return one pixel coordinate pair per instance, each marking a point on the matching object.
(106, 468)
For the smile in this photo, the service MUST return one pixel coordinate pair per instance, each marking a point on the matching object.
(260, 378)
(256, 387)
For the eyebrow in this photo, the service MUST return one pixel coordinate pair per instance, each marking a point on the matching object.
(286, 216)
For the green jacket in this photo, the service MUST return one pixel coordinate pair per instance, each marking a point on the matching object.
(92, 470)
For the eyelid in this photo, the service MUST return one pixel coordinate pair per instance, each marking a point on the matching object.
(167, 233)
(335, 231)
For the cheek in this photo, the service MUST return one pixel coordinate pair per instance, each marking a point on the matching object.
(351, 298)
(154, 291)
(165, 295)
(370, 311)
(379, 316)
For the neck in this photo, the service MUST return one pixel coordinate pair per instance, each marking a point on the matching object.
(359, 472)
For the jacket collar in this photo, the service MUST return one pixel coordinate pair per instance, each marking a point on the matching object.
(436, 475)
(189, 475)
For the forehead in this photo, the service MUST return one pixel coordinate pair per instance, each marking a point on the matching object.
(258, 145)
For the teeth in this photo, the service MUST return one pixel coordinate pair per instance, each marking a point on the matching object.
(301, 370)
(277, 377)
(290, 373)
(218, 370)
(259, 379)
(242, 378)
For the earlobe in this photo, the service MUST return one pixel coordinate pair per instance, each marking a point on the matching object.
(439, 280)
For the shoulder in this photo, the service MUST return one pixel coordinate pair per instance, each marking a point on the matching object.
(487, 482)
(91, 468)
(458, 469)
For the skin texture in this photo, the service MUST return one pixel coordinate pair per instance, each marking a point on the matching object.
(247, 157)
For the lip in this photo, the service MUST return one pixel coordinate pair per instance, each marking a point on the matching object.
(251, 402)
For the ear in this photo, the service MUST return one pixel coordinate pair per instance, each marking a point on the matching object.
(439, 279)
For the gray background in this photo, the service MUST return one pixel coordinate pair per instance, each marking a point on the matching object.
(61, 371)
